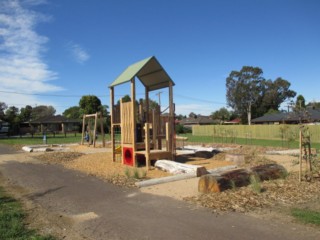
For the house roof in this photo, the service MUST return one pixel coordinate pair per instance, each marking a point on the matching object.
(150, 73)
(312, 115)
(201, 120)
(54, 119)
(234, 121)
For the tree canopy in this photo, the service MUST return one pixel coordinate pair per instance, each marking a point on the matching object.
(222, 115)
(251, 95)
(25, 114)
(3, 107)
(90, 104)
(72, 112)
(42, 111)
(300, 102)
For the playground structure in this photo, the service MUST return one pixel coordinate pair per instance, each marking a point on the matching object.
(142, 129)
(92, 133)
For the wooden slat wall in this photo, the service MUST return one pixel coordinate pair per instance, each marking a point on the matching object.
(116, 114)
(126, 122)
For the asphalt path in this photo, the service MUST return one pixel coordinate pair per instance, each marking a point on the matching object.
(105, 211)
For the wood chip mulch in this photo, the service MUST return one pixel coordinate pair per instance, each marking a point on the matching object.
(281, 192)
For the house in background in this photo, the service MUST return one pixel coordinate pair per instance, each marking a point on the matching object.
(310, 116)
(235, 121)
(197, 120)
(53, 124)
(4, 127)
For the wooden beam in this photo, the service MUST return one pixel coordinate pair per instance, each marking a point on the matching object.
(171, 121)
(83, 128)
(122, 135)
(111, 124)
(133, 129)
(102, 130)
(91, 115)
(154, 128)
(147, 143)
(167, 136)
(147, 103)
(95, 129)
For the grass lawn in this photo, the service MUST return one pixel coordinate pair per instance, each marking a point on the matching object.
(38, 139)
(71, 138)
(245, 141)
(11, 221)
(306, 216)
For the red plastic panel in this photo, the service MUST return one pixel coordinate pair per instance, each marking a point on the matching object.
(128, 156)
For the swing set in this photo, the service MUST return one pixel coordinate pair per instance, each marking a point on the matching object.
(89, 133)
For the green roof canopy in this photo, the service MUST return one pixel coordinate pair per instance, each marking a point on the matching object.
(150, 73)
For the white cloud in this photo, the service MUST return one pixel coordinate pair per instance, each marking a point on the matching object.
(22, 68)
(78, 53)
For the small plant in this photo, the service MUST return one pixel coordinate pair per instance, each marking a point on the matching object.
(139, 173)
(136, 173)
(127, 172)
(255, 184)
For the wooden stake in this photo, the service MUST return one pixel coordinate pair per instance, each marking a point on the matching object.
(300, 157)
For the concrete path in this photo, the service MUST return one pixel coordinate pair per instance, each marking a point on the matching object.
(89, 208)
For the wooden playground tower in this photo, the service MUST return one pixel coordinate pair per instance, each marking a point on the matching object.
(142, 129)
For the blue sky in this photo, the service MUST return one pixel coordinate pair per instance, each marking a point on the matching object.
(54, 51)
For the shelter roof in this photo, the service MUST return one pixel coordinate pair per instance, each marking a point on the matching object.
(149, 71)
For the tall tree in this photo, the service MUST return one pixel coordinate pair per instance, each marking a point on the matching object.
(3, 107)
(72, 113)
(250, 95)
(42, 111)
(244, 89)
(300, 102)
(222, 114)
(125, 98)
(11, 115)
(25, 114)
(273, 94)
(152, 104)
(193, 115)
(90, 104)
